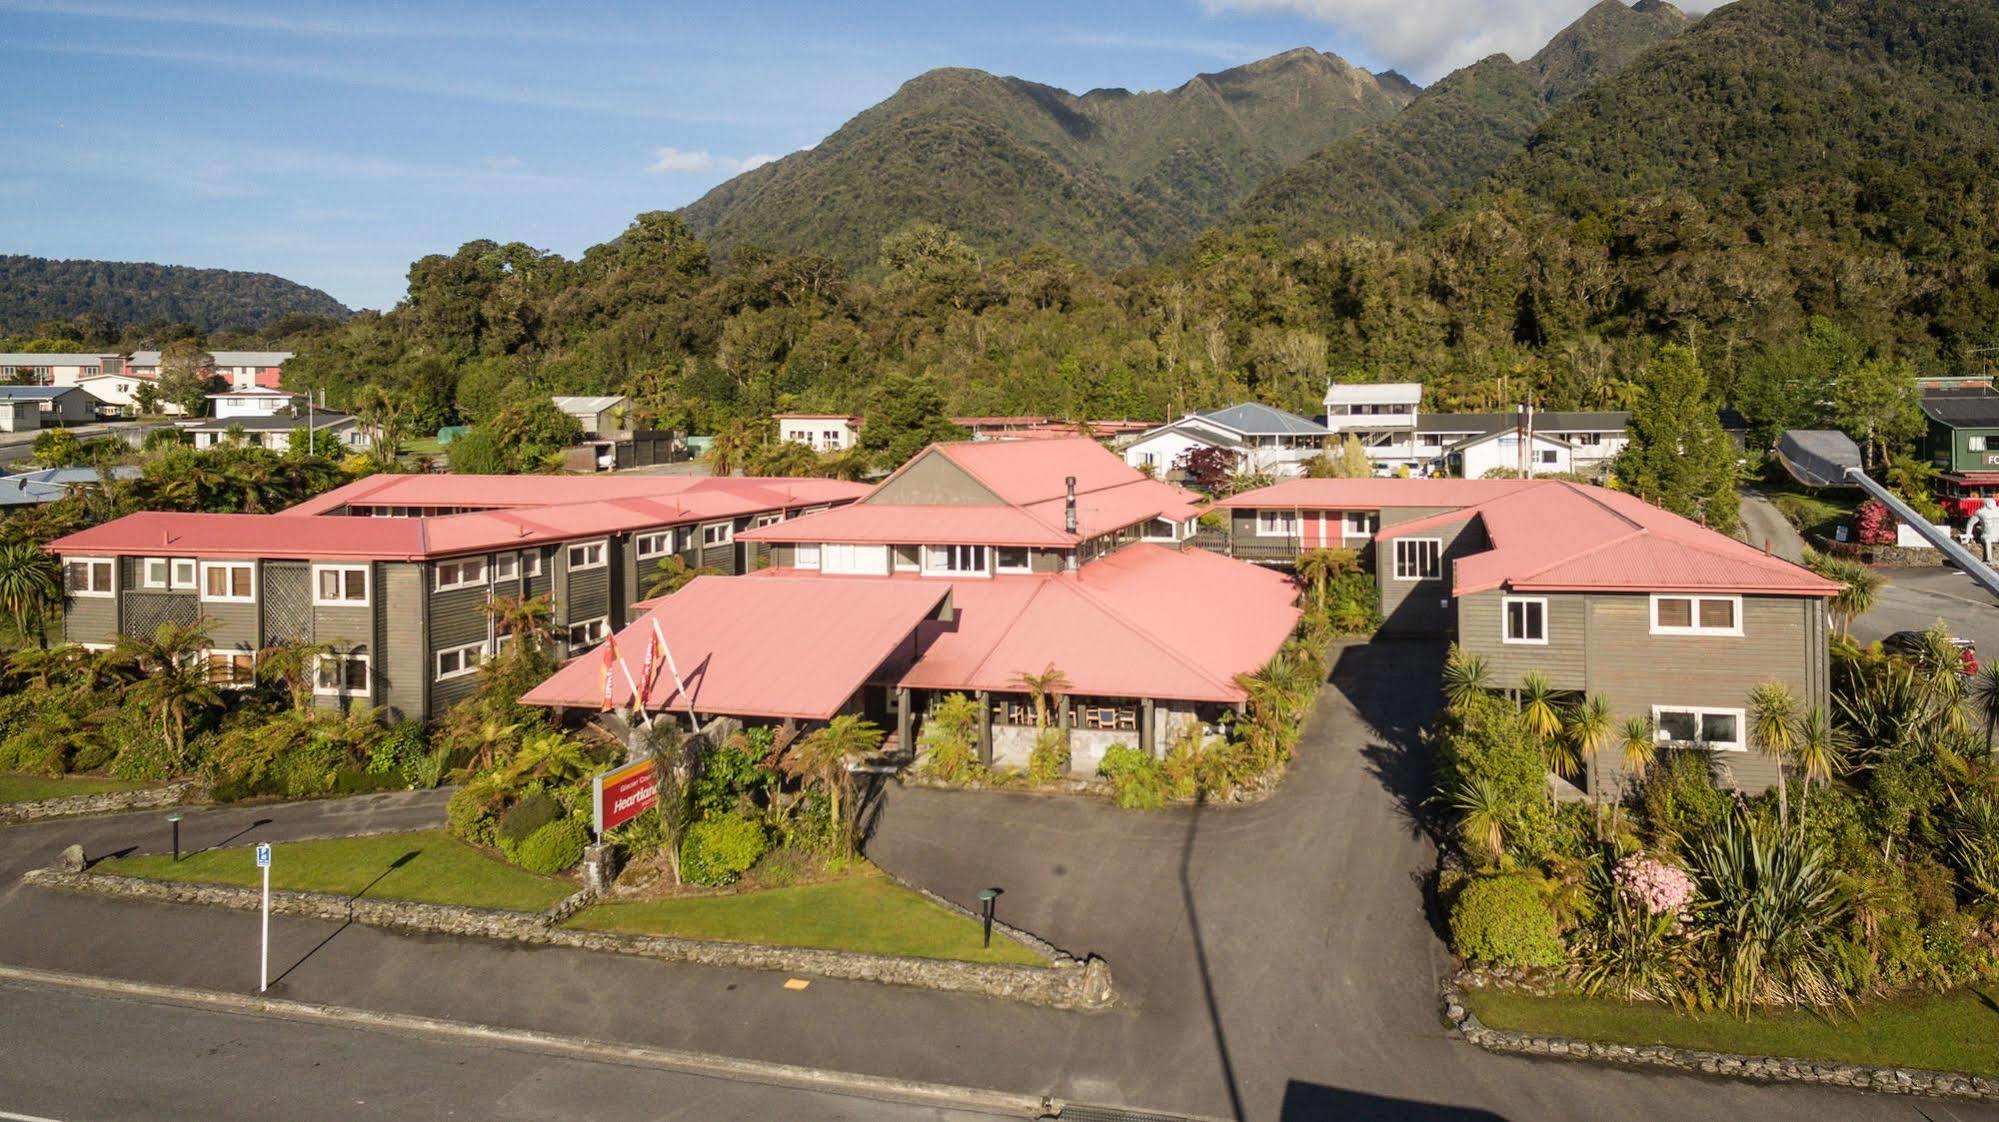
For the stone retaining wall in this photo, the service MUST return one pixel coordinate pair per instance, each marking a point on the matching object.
(1767, 1069)
(106, 802)
(1883, 556)
(1072, 985)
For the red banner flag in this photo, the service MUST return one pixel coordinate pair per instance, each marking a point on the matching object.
(610, 659)
(651, 666)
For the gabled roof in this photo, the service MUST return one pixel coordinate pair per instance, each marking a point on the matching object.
(771, 647)
(1195, 433)
(31, 358)
(591, 405)
(222, 358)
(1480, 423)
(36, 393)
(1367, 494)
(1378, 393)
(1963, 408)
(1539, 438)
(1256, 419)
(428, 490)
(320, 419)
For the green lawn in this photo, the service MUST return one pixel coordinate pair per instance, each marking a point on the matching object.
(429, 866)
(1958, 1031)
(421, 446)
(1820, 512)
(26, 788)
(864, 913)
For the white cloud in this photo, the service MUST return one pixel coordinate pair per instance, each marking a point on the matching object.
(1430, 38)
(673, 161)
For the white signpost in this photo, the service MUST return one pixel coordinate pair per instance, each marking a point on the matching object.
(264, 956)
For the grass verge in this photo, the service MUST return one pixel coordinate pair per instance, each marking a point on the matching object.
(428, 866)
(1957, 1031)
(867, 913)
(27, 788)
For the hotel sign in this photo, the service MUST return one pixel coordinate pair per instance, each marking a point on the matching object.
(622, 794)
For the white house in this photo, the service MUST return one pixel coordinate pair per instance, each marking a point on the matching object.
(255, 401)
(1264, 440)
(1388, 419)
(827, 432)
(1382, 416)
(56, 369)
(333, 433)
(602, 418)
(1508, 450)
(52, 406)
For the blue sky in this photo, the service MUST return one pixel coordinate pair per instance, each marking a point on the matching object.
(335, 143)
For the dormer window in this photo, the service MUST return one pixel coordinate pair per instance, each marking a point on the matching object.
(956, 560)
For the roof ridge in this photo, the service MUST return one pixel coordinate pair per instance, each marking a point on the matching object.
(1143, 633)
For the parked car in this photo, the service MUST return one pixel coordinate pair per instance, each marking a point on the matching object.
(1915, 645)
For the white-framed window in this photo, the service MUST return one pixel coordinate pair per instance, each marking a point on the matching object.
(718, 533)
(90, 576)
(1524, 619)
(1419, 558)
(956, 560)
(231, 670)
(1696, 615)
(456, 662)
(1276, 523)
(584, 556)
(1974, 443)
(1013, 559)
(340, 586)
(169, 572)
(907, 558)
(506, 566)
(462, 573)
(1362, 523)
(341, 675)
(654, 543)
(229, 582)
(1720, 729)
(1158, 530)
(848, 558)
(589, 632)
(767, 519)
(185, 574)
(806, 555)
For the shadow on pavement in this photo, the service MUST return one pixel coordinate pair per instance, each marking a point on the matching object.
(1392, 684)
(1201, 960)
(1311, 1102)
(225, 841)
(335, 933)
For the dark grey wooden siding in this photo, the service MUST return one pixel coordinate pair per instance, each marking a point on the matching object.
(934, 479)
(1565, 658)
(1425, 607)
(402, 669)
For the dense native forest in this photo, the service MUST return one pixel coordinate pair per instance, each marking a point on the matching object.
(34, 289)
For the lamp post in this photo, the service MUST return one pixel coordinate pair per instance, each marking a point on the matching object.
(986, 898)
(174, 820)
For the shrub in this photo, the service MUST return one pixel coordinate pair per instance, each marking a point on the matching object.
(1138, 782)
(733, 772)
(1049, 761)
(398, 751)
(553, 847)
(718, 850)
(522, 819)
(1504, 920)
(469, 815)
(783, 866)
(1681, 799)
(948, 740)
(427, 771)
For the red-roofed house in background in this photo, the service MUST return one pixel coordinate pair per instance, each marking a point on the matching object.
(393, 570)
(971, 566)
(1605, 594)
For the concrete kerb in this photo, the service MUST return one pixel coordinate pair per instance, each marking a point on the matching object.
(183, 793)
(1763, 1069)
(1084, 986)
(870, 1087)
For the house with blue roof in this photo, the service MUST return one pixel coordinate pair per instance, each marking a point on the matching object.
(1263, 439)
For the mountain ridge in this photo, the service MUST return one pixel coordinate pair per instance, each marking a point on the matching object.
(33, 289)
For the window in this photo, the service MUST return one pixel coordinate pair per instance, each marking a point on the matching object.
(957, 559)
(1550, 456)
(1696, 615)
(1975, 443)
(908, 558)
(1720, 729)
(460, 661)
(842, 557)
(1419, 558)
(586, 555)
(460, 574)
(228, 582)
(157, 573)
(233, 670)
(1013, 559)
(1362, 523)
(718, 533)
(1157, 530)
(338, 675)
(340, 585)
(806, 556)
(655, 544)
(1276, 523)
(184, 573)
(1525, 620)
(89, 576)
(589, 632)
(507, 566)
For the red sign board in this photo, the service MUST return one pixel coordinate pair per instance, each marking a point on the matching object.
(624, 793)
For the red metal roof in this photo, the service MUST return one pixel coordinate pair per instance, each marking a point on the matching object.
(1370, 494)
(167, 533)
(549, 490)
(772, 647)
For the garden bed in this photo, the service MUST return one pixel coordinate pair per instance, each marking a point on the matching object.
(1957, 1031)
(426, 866)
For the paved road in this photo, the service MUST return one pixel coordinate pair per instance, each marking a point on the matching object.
(87, 1056)
(1764, 527)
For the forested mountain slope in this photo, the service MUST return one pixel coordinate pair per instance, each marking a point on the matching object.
(33, 289)
(1109, 177)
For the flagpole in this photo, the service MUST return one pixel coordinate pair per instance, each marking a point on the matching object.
(637, 697)
(673, 668)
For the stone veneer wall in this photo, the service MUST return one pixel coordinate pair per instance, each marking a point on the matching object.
(1063, 985)
(1768, 1069)
(106, 802)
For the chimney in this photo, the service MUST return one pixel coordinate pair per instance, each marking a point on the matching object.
(1069, 505)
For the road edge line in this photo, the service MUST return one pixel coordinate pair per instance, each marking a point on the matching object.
(851, 1084)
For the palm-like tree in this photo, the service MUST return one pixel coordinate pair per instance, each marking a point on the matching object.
(1773, 726)
(1465, 677)
(822, 756)
(732, 445)
(1860, 587)
(1317, 569)
(29, 581)
(528, 619)
(1820, 748)
(41, 665)
(1483, 817)
(1589, 729)
(673, 574)
(173, 680)
(547, 757)
(1540, 709)
(1985, 695)
(1041, 687)
(1639, 746)
(292, 665)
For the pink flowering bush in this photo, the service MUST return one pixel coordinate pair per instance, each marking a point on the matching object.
(1655, 887)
